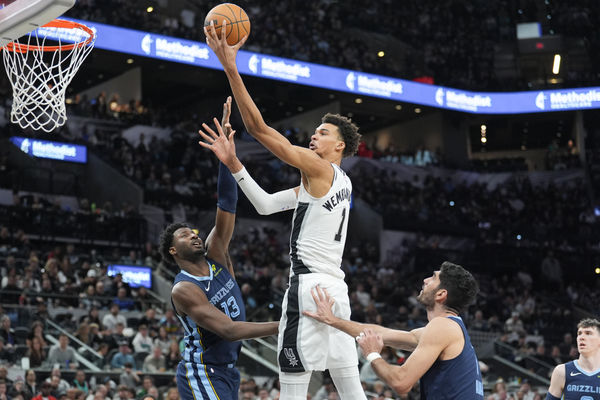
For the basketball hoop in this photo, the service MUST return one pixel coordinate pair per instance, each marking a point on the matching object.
(40, 73)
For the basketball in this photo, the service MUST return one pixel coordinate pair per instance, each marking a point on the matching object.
(238, 23)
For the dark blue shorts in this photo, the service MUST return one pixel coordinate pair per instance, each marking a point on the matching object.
(205, 382)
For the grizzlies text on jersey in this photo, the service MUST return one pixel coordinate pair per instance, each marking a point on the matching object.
(207, 369)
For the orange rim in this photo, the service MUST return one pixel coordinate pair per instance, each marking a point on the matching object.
(57, 23)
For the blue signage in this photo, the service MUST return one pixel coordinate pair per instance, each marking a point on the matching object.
(197, 53)
(134, 275)
(52, 150)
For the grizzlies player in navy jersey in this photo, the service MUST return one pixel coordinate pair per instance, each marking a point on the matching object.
(442, 355)
(321, 206)
(580, 379)
(208, 301)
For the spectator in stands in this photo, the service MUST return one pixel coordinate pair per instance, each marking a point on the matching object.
(63, 354)
(551, 271)
(31, 382)
(59, 385)
(4, 390)
(36, 353)
(37, 330)
(95, 337)
(80, 382)
(4, 375)
(162, 340)
(111, 319)
(129, 377)
(155, 362)
(117, 336)
(149, 319)
(173, 356)
(123, 356)
(46, 392)
(566, 345)
(170, 322)
(18, 390)
(123, 393)
(102, 361)
(83, 333)
(173, 394)
(147, 385)
(514, 324)
(142, 342)
(125, 303)
(6, 355)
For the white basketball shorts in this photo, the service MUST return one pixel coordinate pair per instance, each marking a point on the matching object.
(304, 344)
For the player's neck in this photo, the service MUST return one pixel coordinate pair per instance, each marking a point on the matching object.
(439, 310)
(197, 268)
(589, 362)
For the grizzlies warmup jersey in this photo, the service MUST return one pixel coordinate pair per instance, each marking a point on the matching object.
(581, 385)
(455, 379)
(207, 369)
(319, 228)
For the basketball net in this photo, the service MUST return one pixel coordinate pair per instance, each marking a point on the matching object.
(40, 73)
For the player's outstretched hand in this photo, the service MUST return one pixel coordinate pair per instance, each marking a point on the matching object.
(324, 304)
(370, 342)
(222, 145)
(225, 53)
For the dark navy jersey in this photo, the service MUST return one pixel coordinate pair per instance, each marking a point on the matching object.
(455, 379)
(203, 346)
(581, 385)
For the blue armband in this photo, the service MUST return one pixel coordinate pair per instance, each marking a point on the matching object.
(227, 194)
(550, 397)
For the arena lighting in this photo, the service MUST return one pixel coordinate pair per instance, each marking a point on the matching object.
(519, 237)
(129, 61)
(483, 140)
(358, 100)
(149, 9)
(358, 83)
(398, 107)
(597, 270)
(483, 128)
(418, 110)
(381, 54)
(556, 65)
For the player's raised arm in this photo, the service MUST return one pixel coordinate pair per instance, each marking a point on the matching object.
(304, 159)
(190, 300)
(217, 242)
(223, 146)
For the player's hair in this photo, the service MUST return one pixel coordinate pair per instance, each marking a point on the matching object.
(166, 241)
(461, 286)
(589, 323)
(348, 130)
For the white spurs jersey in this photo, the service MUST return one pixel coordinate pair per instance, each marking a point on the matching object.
(319, 228)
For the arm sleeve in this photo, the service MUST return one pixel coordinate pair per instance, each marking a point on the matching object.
(263, 202)
(226, 190)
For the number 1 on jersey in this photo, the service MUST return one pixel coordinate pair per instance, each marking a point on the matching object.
(338, 236)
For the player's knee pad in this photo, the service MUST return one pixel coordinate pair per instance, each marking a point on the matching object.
(347, 383)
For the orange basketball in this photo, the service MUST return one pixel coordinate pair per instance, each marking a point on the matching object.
(238, 23)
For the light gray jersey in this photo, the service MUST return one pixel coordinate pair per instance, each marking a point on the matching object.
(319, 228)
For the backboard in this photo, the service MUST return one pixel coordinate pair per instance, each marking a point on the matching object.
(19, 17)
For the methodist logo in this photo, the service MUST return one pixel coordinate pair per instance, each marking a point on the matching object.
(178, 50)
(465, 102)
(52, 150)
(253, 64)
(373, 85)
(540, 101)
(280, 69)
(147, 44)
(350, 80)
(574, 99)
(439, 96)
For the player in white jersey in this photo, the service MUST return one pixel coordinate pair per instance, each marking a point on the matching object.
(322, 207)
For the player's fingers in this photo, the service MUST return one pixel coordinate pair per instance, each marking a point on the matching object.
(206, 137)
(224, 30)
(314, 295)
(219, 127)
(209, 130)
(205, 145)
(231, 136)
(241, 42)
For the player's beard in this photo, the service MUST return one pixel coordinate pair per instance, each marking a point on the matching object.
(427, 298)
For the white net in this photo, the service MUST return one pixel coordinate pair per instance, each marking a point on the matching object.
(40, 71)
